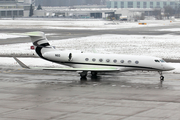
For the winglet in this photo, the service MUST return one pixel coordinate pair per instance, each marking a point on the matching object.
(21, 63)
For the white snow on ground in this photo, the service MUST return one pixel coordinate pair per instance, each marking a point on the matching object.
(163, 46)
(174, 29)
(79, 28)
(93, 25)
(6, 36)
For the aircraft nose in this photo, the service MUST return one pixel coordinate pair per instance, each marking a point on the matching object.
(168, 67)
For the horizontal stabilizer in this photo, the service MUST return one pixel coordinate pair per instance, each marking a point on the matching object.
(21, 63)
(35, 34)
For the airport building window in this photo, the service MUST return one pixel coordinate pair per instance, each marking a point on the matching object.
(176, 5)
(172, 3)
(129, 61)
(137, 62)
(20, 13)
(164, 4)
(115, 61)
(130, 4)
(122, 61)
(122, 4)
(115, 4)
(87, 59)
(15, 13)
(109, 4)
(151, 4)
(108, 60)
(3, 13)
(144, 4)
(9, 13)
(93, 59)
(138, 4)
(158, 4)
(100, 60)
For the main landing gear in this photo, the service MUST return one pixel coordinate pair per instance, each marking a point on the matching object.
(84, 75)
(93, 75)
(161, 76)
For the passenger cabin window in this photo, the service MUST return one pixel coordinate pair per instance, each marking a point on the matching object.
(87, 59)
(129, 61)
(108, 60)
(93, 59)
(115, 61)
(122, 61)
(100, 60)
(137, 62)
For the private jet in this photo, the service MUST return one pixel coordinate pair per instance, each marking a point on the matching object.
(93, 63)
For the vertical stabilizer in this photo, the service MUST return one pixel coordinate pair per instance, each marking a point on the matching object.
(38, 39)
(40, 42)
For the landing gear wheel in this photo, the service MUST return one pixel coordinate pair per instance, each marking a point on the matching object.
(83, 75)
(162, 78)
(94, 74)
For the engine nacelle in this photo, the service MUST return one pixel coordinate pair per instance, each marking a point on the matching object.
(58, 56)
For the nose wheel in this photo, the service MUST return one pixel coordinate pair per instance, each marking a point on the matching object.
(161, 77)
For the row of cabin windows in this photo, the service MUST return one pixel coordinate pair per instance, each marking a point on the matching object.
(108, 60)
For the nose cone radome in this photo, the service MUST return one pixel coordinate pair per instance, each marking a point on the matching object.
(168, 67)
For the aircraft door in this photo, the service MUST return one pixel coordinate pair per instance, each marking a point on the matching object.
(70, 56)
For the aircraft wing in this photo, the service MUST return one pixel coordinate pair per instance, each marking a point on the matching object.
(84, 69)
(95, 69)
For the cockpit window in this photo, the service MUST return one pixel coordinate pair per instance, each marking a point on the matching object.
(159, 60)
(162, 60)
(156, 60)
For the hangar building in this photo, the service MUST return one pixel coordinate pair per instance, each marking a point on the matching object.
(142, 3)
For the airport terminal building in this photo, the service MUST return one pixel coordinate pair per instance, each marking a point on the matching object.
(13, 8)
(142, 3)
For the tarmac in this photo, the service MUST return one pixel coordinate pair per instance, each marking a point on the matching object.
(47, 95)
(54, 95)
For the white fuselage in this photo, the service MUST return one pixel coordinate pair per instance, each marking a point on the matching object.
(122, 62)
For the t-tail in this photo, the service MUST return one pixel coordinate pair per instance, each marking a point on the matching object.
(40, 42)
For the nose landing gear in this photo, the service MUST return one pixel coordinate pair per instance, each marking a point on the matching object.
(161, 77)
(83, 75)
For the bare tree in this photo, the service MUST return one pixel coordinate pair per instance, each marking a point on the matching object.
(169, 11)
(157, 14)
(142, 17)
(31, 11)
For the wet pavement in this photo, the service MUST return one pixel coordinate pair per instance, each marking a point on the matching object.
(47, 95)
